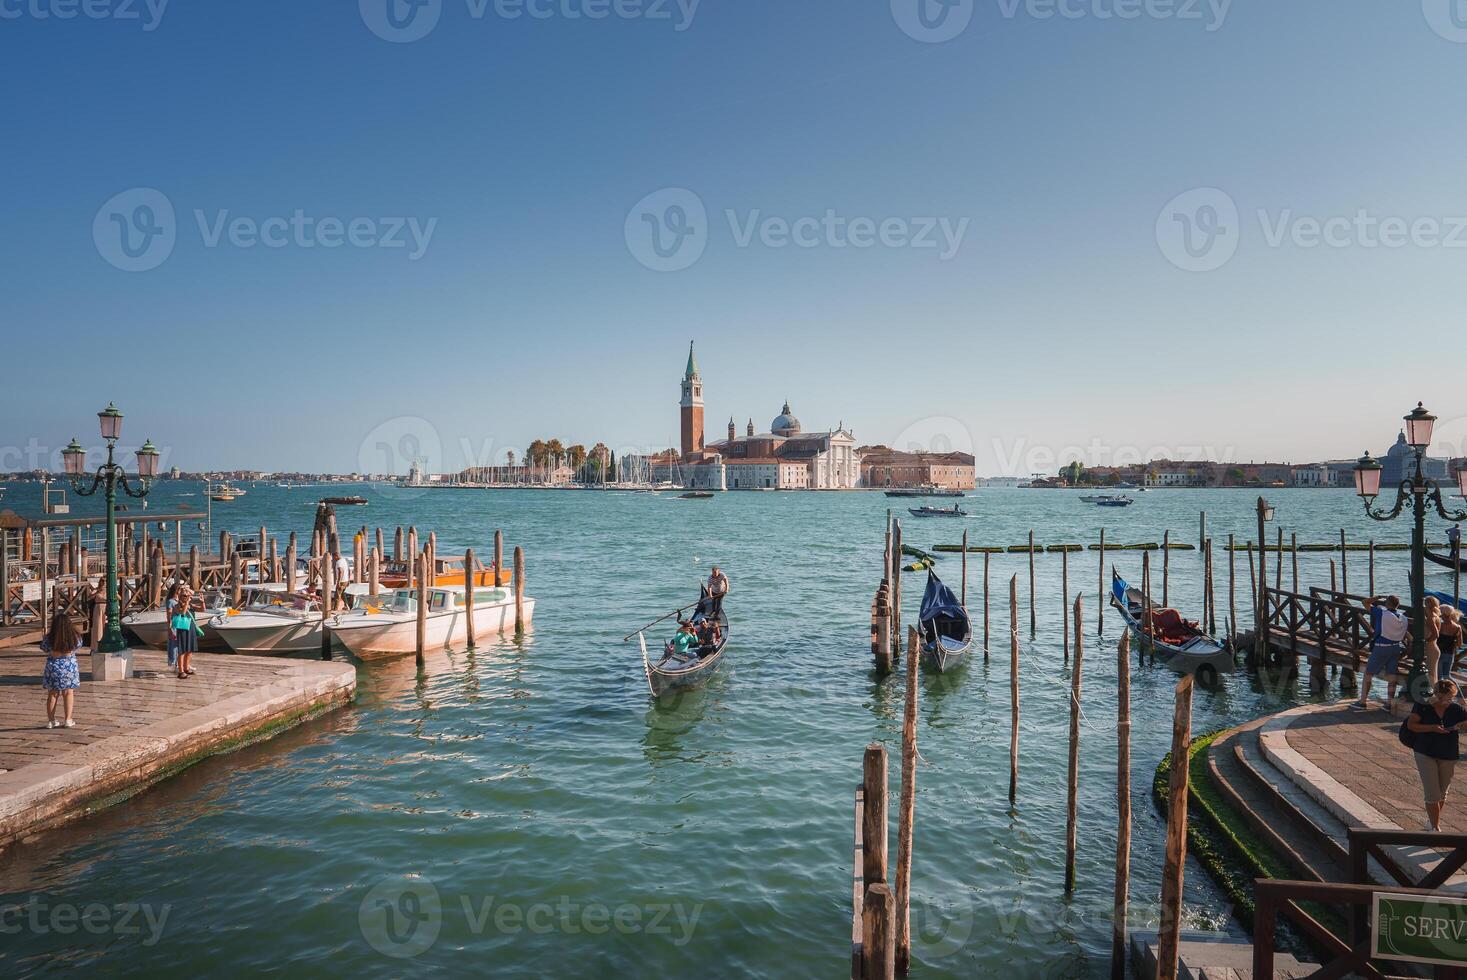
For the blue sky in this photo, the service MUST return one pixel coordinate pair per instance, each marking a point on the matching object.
(1071, 147)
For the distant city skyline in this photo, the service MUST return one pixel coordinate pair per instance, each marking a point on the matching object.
(1046, 233)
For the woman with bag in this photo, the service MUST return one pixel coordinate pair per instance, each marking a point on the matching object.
(185, 632)
(1431, 731)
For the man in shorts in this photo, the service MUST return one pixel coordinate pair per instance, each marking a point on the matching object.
(1390, 635)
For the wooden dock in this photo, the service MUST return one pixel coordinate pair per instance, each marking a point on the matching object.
(131, 733)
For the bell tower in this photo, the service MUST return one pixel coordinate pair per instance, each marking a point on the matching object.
(691, 407)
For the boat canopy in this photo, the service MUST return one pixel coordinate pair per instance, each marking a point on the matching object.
(939, 602)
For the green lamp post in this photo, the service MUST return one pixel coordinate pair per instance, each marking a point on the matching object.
(1418, 491)
(108, 477)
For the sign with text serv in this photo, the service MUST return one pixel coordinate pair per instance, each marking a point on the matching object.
(1419, 929)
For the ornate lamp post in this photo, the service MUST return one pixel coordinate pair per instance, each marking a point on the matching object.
(108, 476)
(1420, 491)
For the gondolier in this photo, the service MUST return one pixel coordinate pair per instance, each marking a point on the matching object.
(717, 589)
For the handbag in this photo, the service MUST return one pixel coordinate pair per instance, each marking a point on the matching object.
(1406, 735)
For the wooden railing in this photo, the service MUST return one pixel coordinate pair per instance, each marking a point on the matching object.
(1273, 899)
(1320, 623)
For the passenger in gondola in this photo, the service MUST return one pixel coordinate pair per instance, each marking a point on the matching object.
(685, 641)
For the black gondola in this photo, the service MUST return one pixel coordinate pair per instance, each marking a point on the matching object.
(944, 626)
(1446, 560)
(680, 671)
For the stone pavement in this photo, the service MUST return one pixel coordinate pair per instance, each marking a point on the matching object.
(132, 732)
(1360, 751)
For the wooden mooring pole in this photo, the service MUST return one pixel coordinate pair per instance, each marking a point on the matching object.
(498, 558)
(422, 609)
(874, 832)
(964, 597)
(908, 805)
(1065, 602)
(470, 581)
(1072, 811)
(1145, 643)
(1211, 593)
(1014, 689)
(986, 556)
(1122, 899)
(1033, 617)
(1166, 568)
(1101, 591)
(290, 551)
(1371, 569)
(1174, 863)
(1232, 595)
(519, 591)
(878, 922)
(1293, 557)
(1344, 563)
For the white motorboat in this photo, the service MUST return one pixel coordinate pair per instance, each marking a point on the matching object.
(373, 632)
(280, 623)
(151, 625)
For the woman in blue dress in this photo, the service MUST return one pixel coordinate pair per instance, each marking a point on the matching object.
(61, 676)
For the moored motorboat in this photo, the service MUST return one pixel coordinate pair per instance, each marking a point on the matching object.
(151, 626)
(924, 490)
(679, 671)
(1120, 500)
(944, 627)
(1176, 642)
(376, 632)
(280, 622)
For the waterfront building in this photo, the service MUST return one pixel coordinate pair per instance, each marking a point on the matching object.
(784, 458)
(1395, 468)
(883, 467)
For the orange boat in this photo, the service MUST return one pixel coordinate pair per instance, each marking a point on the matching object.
(446, 571)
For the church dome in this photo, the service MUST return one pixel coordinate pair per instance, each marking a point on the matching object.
(785, 424)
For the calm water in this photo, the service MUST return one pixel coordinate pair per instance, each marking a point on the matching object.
(525, 810)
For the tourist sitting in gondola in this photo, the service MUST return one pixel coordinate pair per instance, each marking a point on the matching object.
(684, 642)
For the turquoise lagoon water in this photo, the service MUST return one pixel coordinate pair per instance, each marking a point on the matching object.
(525, 810)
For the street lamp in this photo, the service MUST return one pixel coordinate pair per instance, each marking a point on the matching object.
(1419, 491)
(109, 475)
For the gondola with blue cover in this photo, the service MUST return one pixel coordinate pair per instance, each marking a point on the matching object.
(944, 627)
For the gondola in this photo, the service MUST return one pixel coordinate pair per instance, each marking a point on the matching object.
(1446, 560)
(676, 672)
(1178, 643)
(943, 624)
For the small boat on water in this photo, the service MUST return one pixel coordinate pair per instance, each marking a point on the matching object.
(953, 511)
(1176, 642)
(1116, 501)
(696, 495)
(345, 501)
(223, 493)
(679, 671)
(151, 626)
(944, 626)
(924, 490)
(447, 570)
(1446, 561)
(373, 631)
(281, 622)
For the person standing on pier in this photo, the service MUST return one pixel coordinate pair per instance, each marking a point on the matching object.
(1449, 641)
(1391, 634)
(183, 627)
(1432, 624)
(61, 677)
(1433, 736)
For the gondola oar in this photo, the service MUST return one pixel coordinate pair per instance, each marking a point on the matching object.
(675, 612)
